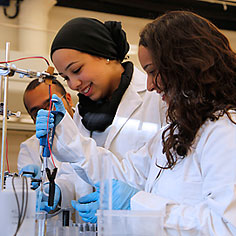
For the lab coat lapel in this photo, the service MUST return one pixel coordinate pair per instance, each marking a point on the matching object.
(129, 103)
(158, 159)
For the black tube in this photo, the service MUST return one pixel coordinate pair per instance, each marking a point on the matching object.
(65, 217)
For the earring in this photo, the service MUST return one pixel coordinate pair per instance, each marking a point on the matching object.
(108, 60)
(184, 94)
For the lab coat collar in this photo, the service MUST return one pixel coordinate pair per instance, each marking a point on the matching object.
(130, 101)
(139, 81)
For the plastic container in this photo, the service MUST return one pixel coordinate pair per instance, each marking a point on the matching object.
(129, 223)
(9, 214)
(81, 229)
(60, 224)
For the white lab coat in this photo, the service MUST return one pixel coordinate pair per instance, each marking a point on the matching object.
(139, 116)
(196, 197)
(71, 185)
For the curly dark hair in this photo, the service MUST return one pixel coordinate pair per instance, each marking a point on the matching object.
(198, 72)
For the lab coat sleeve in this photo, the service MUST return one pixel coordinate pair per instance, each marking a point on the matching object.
(29, 153)
(215, 213)
(93, 163)
(71, 185)
(64, 180)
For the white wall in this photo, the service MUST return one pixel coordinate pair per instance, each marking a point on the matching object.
(16, 30)
(56, 18)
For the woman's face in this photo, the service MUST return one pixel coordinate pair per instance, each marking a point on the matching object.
(153, 77)
(87, 74)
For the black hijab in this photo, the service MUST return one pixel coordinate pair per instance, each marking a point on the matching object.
(91, 36)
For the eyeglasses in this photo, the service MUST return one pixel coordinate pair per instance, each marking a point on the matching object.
(45, 106)
(34, 113)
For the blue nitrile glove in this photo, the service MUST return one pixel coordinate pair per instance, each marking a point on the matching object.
(42, 117)
(42, 199)
(36, 174)
(87, 206)
(121, 195)
(41, 123)
(59, 104)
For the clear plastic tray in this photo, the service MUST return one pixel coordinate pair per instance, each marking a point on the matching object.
(129, 223)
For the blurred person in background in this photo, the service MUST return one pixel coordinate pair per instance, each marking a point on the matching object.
(69, 185)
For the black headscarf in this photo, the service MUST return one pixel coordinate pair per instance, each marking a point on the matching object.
(91, 36)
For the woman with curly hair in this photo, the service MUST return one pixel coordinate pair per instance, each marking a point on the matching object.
(194, 71)
(188, 170)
